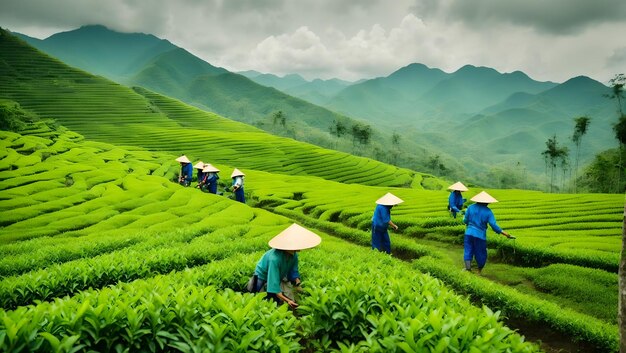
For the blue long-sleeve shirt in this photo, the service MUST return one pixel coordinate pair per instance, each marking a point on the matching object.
(187, 171)
(382, 216)
(477, 217)
(455, 201)
(274, 266)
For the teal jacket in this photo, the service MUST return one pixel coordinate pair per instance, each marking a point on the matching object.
(276, 265)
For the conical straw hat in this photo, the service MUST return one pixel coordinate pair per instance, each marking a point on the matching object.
(458, 186)
(295, 237)
(237, 172)
(183, 159)
(209, 168)
(199, 165)
(483, 197)
(389, 200)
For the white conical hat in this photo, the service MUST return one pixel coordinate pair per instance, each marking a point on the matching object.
(183, 159)
(199, 165)
(209, 168)
(483, 197)
(389, 200)
(458, 186)
(237, 172)
(295, 237)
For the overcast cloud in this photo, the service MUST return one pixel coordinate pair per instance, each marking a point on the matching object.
(549, 40)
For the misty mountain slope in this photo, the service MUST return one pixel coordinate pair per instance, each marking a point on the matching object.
(317, 91)
(96, 49)
(471, 89)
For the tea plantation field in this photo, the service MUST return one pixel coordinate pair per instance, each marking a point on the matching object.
(101, 251)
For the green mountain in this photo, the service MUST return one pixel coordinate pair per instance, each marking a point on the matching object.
(420, 96)
(317, 91)
(97, 49)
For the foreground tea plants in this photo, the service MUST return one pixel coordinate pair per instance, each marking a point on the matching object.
(196, 310)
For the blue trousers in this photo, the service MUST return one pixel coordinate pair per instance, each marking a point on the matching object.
(475, 248)
(239, 195)
(380, 239)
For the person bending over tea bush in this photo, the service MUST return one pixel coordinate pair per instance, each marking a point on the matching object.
(186, 171)
(237, 186)
(282, 262)
(209, 182)
(381, 222)
(200, 175)
(456, 200)
(476, 218)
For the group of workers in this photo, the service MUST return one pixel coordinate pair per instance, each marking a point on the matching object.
(476, 218)
(278, 267)
(207, 177)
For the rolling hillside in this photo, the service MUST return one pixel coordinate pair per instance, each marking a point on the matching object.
(174, 72)
(432, 111)
(102, 110)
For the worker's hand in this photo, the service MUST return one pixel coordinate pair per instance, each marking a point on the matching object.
(292, 304)
(395, 227)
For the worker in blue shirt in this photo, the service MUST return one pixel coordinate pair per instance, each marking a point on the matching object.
(237, 186)
(186, 171)
(210, 178)
(200, 174)
(456, 200)
(476, 218)
(281, 263)
(381, 222)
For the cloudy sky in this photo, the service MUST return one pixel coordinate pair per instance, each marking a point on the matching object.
(547, 39)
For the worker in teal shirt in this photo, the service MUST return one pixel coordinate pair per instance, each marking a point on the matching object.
(281, 262)
(456, 200)
(381, 222)
(476, 218)
(186, 171)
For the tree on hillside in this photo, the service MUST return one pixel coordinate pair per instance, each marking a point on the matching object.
(620, 134)
(395, 142)
(617, 86)
(617, 92)
(338, 128)
(361, 133)
(580, 129)
(436, 166)
(553, 155)
(279, 117)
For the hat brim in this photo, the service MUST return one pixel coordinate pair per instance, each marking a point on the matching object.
(389, 200)
(483, 197)
(295, 238)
